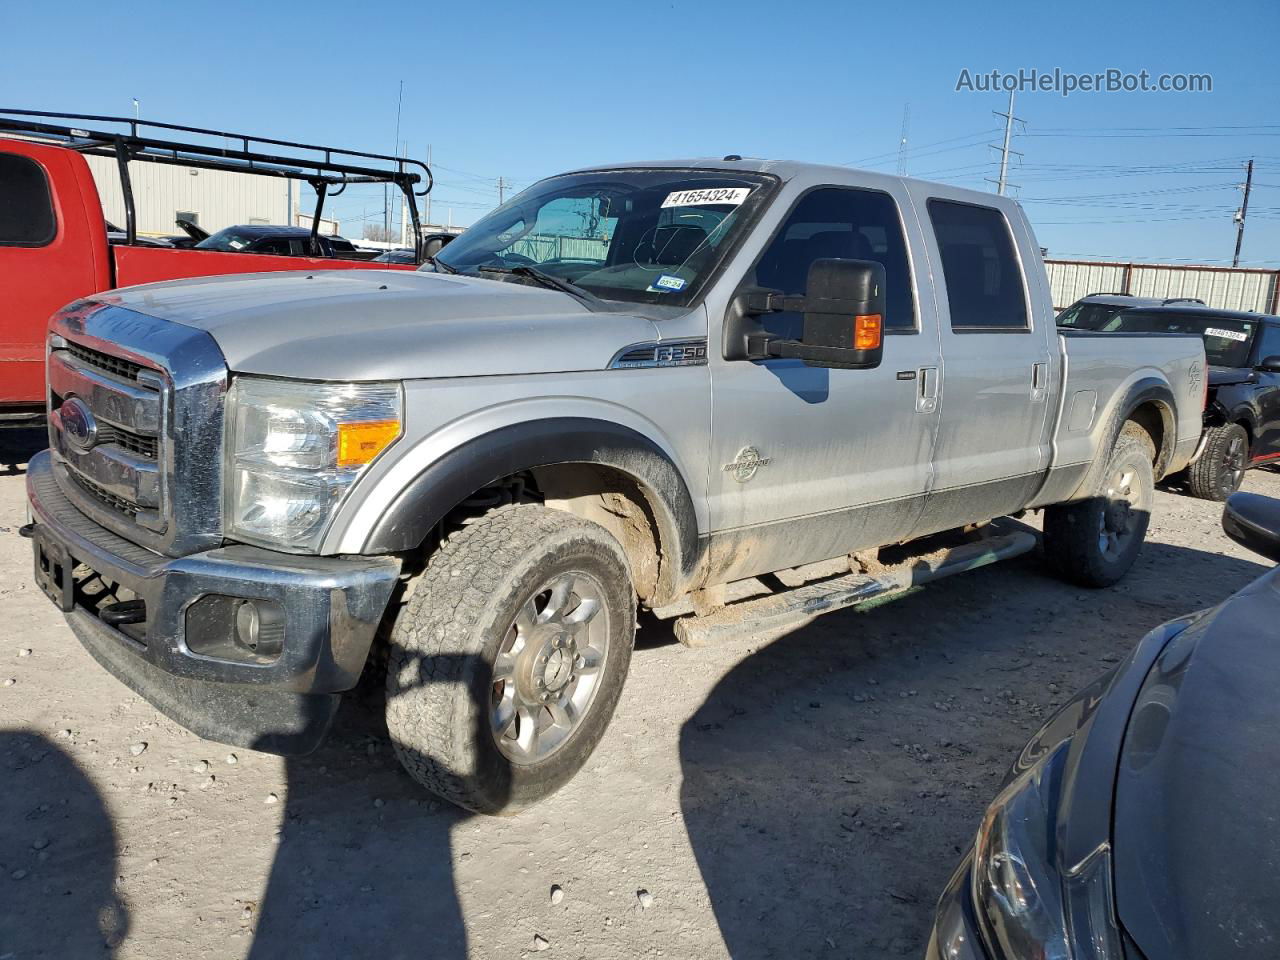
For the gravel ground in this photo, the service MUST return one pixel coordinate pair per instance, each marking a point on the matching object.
(800, 796)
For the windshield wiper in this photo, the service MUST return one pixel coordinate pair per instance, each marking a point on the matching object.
(548, 280)
(441, 265)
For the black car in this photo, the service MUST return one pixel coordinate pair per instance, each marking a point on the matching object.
(279, 240)
(1141, 822)
(1095, 311)
(1242, 410)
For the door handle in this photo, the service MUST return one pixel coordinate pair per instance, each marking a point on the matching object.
(927, 393)
(1039, 381)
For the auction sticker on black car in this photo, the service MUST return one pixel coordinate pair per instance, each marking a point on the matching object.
(728, 196)
(1237, 335)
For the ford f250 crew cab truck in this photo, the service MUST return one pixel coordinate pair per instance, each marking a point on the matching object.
(644, 385)
(55, 244)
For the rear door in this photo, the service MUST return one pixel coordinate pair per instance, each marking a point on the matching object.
(1266, 444)
(999, 373)
(53, 249)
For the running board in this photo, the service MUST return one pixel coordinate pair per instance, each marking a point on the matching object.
(799, 605)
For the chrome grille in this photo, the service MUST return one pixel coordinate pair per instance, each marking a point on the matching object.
(119, 504)
(127, 440)
(118, 366)
(135, 423)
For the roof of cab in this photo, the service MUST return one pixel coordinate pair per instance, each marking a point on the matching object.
(785, 170)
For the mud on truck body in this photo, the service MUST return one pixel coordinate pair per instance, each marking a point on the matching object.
(643, 385)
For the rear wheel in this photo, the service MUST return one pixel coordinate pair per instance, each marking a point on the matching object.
(1220, 470)
(1094, 542)
(507, 663)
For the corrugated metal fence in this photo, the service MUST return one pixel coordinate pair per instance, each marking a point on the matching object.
(1222, 287)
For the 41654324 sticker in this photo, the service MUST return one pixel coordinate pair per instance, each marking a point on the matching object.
(727, 196)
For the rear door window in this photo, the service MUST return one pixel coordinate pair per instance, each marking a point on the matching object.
(983, 279)
(26, 207)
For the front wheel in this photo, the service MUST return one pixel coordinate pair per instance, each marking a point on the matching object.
(1094, 542)
(1220, 470)
(509, 658)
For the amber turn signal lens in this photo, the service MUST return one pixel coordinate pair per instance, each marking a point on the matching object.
(358, 443)
(867, 331)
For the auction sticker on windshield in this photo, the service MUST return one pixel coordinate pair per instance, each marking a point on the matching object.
(729, 196)
(1226, 334)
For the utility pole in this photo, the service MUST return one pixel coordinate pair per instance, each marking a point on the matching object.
(386, 197)
(1003, 183)
(1243, 211)
(428, 192)
(902, 140)
(502, 187)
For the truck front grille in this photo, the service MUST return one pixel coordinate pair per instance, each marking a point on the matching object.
(118, 366)
(135, 423)
(118, 504)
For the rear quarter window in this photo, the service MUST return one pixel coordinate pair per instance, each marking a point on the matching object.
(26, 207)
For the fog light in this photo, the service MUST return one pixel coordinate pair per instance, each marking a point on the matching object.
(260, 627)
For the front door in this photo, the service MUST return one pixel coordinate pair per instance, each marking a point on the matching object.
(840, 457)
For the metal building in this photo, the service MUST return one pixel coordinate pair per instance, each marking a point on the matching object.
(213, 199)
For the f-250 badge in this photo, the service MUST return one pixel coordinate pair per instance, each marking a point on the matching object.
(745, 465)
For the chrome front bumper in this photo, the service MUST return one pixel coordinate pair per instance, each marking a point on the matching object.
(331, 606)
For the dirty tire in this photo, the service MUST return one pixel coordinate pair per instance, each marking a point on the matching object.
(440, 676)
(1083, 542)
(1220, 470)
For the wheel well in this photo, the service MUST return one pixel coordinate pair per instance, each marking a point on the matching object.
(601, 494)
(618, 503)
(1157, 421)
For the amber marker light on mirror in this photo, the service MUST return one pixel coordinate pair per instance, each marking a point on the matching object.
(867, 331)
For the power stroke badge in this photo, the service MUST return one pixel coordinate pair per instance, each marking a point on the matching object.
(746, 463)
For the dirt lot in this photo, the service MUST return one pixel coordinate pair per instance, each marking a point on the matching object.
(802, 797)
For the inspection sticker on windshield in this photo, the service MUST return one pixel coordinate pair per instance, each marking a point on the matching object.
(729, 196)
(668, 282)
(1226, 334)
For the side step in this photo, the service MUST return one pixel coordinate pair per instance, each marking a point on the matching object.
(801, 604)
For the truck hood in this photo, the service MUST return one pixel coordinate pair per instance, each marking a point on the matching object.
(388, 324)
(1197, 851)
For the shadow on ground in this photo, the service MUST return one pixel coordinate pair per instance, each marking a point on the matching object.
(364, 866)
(17, 446)
(54, 820)
(849, 762)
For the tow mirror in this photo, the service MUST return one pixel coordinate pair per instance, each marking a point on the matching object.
(843, 312)
(1270, 365)
(1253, 521)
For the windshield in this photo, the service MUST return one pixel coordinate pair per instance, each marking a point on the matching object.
(1088, 316)
(652, 236)
(1226, 340)
(226, 239)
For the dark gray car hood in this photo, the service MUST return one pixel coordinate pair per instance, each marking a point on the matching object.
(388, 324)
(1197, 815)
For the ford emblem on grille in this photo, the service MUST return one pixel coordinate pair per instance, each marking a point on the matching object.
(78, 424)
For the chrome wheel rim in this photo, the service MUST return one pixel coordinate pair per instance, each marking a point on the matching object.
(1233, 464)
(1120, 515)
(548, 668)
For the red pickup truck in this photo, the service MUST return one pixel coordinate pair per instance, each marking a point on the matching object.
(54, 243)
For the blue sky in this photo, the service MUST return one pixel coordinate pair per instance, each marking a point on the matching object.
(521, 91)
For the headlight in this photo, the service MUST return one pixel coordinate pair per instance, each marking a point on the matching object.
(293, 451)
(1027, 906)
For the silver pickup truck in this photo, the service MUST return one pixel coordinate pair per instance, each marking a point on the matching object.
(713, 389)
